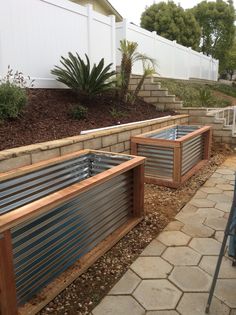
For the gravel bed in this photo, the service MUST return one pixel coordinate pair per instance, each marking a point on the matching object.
(161, 204)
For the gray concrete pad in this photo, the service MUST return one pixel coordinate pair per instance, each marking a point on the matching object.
(173, 238)
(155, 248)
(181, 256)
(208, 263)
(126, 284)
(205, 246)
(226, 291)
(118, 305)
(195, 303)
(156, 295)
(190, 279)
(151, 268)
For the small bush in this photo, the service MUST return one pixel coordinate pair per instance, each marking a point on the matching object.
(117, 114)
(205, 97)
(79, 112)
(12, 100)
(13, 96)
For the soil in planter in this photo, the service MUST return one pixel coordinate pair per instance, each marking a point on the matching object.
(161, 204)
(48, 117)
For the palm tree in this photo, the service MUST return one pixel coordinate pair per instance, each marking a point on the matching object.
(129, 57)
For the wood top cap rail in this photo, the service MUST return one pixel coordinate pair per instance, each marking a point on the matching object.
(40, 206)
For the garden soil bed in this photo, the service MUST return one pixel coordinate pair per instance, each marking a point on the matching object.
(161, 204)
(48, 117)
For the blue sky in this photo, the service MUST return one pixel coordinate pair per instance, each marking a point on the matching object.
(132, 9)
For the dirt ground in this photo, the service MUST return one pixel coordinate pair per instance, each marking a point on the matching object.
(48, 117)
(161, 205)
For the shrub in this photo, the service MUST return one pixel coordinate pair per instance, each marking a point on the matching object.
(13, 96)
(79, 112)
(117, 114)
(205, 97)
(78, 75)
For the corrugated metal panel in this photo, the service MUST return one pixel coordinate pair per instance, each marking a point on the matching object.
(159, 161)
(47, 245)
(173, 133)
(192, 153)
(20, 191)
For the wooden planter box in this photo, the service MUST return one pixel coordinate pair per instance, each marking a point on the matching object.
(60, 213)
(173, 153)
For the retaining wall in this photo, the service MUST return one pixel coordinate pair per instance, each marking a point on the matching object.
(112, 140)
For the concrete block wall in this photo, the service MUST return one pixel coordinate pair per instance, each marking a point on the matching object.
(199, 116)
(112, 140)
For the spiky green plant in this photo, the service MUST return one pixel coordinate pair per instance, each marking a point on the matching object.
(148, 70)
(130, 55)
(80, 77)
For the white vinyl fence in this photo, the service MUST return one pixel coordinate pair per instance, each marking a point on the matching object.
(34, 34)
(173, 60)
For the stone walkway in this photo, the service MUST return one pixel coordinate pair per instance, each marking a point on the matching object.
(173, 274)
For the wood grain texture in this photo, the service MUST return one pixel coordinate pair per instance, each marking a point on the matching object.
(8, 301)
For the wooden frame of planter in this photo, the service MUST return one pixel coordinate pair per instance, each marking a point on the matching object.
(58, 217)
(173, 153)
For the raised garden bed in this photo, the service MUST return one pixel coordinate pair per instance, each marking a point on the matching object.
(57, 212)
(173, 153)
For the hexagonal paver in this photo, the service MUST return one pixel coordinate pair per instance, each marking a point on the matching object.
(163, 313)
(155, 248)
(174, 226)
(217, 224)
(118, 305)
(223, 206)
(173, 238)
(195, 303)
(157, 295)
(205, 246)
(200, 194)
(219, 235)
(190, 279)
(224, 171)
(151, 268)
(191, 217)
(225, 291)
(181, 256)
(210, 213)
(126, 284)
(219, 198)
(202, 203)
(189, 208)
(208, 263)
(198, 230)
(211, 190)
(225, 186)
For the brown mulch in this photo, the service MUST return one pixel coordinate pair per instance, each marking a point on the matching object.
(161, 205)
(48, 117)
(223, 96)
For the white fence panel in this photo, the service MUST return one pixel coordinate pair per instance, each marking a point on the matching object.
(173, 60)
(35, 33)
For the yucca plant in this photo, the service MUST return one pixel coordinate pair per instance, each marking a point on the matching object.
(130, 55)
(78, 75)
(148, 70)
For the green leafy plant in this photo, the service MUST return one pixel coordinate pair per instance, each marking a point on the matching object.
(205, 97)
(79, 112)
(116, 113)
(130, 55)
(78, 75)
(13, 96)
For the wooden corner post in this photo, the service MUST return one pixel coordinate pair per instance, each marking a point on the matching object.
(139, 191)
(8, 301)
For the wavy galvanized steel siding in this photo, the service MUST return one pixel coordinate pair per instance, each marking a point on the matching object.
(159, 161)
(173, 133)
(20, 191)
(47, 245)
(192, 153)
